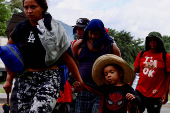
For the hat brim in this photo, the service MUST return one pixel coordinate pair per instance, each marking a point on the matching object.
(154, 37)
(78, 25)
(104, 60)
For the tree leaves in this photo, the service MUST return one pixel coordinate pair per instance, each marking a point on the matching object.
(5, 14)
(166, 40)
(6, 11)
(129, 47)
(16, 6)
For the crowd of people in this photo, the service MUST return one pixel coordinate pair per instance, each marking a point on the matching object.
(102, 78)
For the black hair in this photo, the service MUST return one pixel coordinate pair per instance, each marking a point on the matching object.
(118, 68)
(160, 45)
(43, 4)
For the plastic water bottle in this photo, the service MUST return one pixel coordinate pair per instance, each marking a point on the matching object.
(135, 82)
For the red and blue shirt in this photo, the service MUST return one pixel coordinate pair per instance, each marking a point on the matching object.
(112, 98)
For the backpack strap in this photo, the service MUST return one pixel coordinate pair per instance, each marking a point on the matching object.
(142, 53)
(164, 59)
(111, 51)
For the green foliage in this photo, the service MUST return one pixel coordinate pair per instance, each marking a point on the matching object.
(5, 14)
(128, 46)
(166, 40)
(6, 11)
(2, 90)
(75, 36)
(16, 6)
(2, 82)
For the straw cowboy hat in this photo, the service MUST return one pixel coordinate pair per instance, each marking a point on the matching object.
(102, 61)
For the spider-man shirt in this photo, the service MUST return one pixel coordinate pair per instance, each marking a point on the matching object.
(112, 98)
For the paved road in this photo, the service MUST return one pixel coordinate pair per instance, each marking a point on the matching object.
(164, 109)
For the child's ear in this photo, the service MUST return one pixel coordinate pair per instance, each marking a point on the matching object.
(121, 73)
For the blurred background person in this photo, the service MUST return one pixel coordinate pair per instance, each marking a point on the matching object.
(79, 28)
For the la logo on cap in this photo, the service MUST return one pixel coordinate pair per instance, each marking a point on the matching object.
(79, 21)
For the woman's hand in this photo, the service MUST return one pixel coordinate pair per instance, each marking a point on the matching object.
(7, 86)
(165, 98)
(78, 86)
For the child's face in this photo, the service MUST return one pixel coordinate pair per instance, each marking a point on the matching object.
(112, 75)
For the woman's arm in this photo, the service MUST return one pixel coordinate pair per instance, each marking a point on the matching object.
(165, 95)
(8, 84)
(10, 75)
(72, 66)
(89, 88)
(93, 89)
(116, 50)
(76, 47)
(135, 70)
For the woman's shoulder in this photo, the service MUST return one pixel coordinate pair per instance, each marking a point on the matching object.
(116, 50)
(78, 43)
(23, 24)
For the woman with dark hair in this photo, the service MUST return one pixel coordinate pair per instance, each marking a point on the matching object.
(160, 48)
(154, 74)
(43, 4)
(44, 46)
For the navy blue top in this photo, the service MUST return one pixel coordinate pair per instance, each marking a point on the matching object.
(86, 60)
